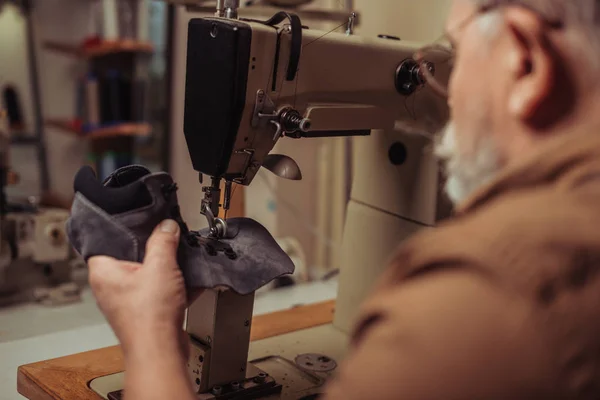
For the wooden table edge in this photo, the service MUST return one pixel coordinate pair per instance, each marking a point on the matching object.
(27, 384)
(47, 380)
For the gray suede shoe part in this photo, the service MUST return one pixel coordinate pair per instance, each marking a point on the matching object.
(246, 260)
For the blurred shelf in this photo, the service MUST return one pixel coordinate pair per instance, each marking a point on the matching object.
(103, 49)
(257, 11)
(24, 140)
(125, 129)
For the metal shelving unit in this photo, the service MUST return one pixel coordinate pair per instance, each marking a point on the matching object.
(102, 49)
(36, 140)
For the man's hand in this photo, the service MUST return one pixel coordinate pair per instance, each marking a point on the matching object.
(140, 300)
(145, 306)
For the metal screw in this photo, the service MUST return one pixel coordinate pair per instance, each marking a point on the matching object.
(235, 385)
(208, 340)
(260, 378)
(217, 390)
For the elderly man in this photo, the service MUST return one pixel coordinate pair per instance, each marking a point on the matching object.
(502, 302)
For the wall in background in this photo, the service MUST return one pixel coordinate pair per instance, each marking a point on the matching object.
(416, 21)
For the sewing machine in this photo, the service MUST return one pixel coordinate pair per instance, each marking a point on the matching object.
(252, 83)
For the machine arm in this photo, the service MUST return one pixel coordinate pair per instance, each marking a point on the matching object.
(250, 83)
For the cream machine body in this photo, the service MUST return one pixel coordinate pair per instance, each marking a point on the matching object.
(252, 83)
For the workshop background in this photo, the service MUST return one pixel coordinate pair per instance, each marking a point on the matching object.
(48, 55)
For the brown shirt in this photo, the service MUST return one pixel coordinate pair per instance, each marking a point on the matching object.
(501, 302)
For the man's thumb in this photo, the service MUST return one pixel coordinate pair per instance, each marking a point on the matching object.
(161, 248)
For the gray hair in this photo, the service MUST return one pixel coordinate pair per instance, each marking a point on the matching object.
(581, 19)
(567, 11)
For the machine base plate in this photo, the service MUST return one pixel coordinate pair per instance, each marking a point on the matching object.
(276, 356)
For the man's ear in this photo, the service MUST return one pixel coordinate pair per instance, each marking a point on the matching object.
(532, 61)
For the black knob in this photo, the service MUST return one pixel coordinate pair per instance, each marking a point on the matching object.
(410, 75)
(398, 153)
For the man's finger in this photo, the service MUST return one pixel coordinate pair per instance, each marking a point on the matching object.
(161, 249)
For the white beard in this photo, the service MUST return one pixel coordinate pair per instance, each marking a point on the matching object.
(466, 172)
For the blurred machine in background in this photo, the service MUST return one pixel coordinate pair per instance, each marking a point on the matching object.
(65, 114)
(36, 259)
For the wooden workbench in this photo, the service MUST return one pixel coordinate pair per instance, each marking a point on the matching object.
(67, 378)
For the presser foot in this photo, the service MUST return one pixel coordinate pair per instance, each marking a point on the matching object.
(217, 226)
(212, 245)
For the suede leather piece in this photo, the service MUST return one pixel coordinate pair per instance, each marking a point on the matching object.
(92, 233)
(259, 259)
